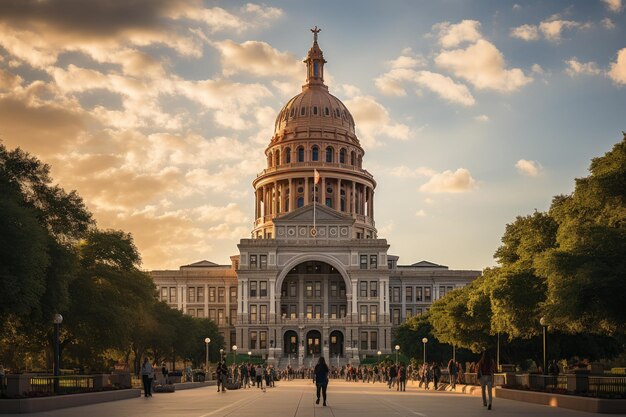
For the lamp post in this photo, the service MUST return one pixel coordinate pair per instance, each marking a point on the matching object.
(249, 357)
(221, 355)
(397, 350)
(544, 324)
(379, 353)
(424, 341)
(235, 354)
(206, 357)
(57, 320)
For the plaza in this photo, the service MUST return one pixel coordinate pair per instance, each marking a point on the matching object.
(297, 398)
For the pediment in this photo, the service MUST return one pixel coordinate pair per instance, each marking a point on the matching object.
(323, 214)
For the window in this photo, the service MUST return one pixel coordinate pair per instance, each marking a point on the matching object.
(427, 296)
(315, 107)
(287, 155)
(309, 311)
(318, 288)
(163, 293)
(418, 294)
(337, 114)
(352, 158)
(191, 312)
(363, 289)
(363, 311)
(408, 294)
(253, 264)
(318, 311)
(333, 311)
(211, 294)
(418, 311)
(364, 340)
(395, 298)
(333, 289)
(342, 311)
(363, 261)
(329, 202)
(326, 111)
(191, 294)
(293, 311)
(342, 289)
(263, 313)
(233, 294)
(309, 289)
(233, 316)
(373, 261)
(293, 289)
(201, 294)
(329, 154)
(373, 340)
(300, 154)
(252, 340)
(221, 294)
(212, 315)
(253, 292)
(408, 313)
(315, 153)
(395, 316)
(220, 316)
(373, 314)
(263, 288)
(300, 202)
(253, 311)
(342, 156)
(373, 289)
(200, 313)
(262, 340)
(302, 111)
(263, 261)
(173, 293)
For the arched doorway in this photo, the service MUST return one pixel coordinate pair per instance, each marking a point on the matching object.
(313, 343)
(290, 343)
(336, 343)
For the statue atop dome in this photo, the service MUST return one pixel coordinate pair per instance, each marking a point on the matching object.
(315, 31)
(315, 62)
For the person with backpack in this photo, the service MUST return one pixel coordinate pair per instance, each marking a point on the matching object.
(320, 374)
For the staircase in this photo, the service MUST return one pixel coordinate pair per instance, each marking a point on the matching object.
(310, 361)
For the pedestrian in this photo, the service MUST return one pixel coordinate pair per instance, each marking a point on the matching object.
(258, 371)
(401, 378)
(452, 371)
(485, 369)
(321, 379)
(165, 373)
(147, 373)
(224, 376)
(436, 375)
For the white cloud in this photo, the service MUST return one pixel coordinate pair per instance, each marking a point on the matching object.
(372, 119)
(483, 65)
(408, 59)
(482, 118)
(552, 29)
(420, 213)
(525, 32)
(607, 23)
(452, 35)
(536, 68)
(617, 71)
(529, 168)
(402, 171)
(613, 5)
(448, 181)
(259, 59)
(575, 67)
(349, 90)
(517, 7)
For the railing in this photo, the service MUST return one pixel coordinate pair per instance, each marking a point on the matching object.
(315, 164)
(548, 382)
(602, 386)
(66, 384)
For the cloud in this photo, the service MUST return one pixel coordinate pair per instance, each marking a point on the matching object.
(452, 35)
(420, 213)
(517, 7)
(372, 120)
(617, 71)
(403, 171)
(258, 59)
(408, 59)
(613, 5)
(551, 29)
(483, 65)
(526, 32)
(608, 24)
(529, 168)
(386, 229)
(349, 90)
(482, 118)
(575, 67)
(448, 181)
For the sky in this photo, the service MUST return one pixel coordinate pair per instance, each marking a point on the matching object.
(158, 112)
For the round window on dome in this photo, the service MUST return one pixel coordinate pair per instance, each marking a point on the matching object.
(329, 190)
(300, 189)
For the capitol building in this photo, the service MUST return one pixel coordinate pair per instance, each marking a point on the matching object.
(314, 278)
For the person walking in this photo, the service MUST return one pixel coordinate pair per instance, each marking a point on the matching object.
(485, 374)
(436, 375)
(321, 379)
(452, 371)
(401, 378)
(147, 373)
(258, 371)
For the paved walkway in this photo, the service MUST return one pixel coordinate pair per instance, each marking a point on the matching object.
(297, 399)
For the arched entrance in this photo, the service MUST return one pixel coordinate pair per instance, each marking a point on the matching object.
(313, 343)
(290, 343)
(336, 343)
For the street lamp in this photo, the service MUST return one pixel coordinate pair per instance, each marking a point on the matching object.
(206, 358)
(57, 320)
(544, 324)
(221, 355)
(249, 357)
(397, 350)
(424, 341)
(235, 354)
(379, 353)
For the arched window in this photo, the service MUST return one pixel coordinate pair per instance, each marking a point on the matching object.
(315, 110)
(352, 158)
(326, 111)
(302, 111)
(300, 202)
(329, 154)
(277, 158)
(269, 160)
(287, 155)
(337, 114)
(300, 154)
(315, 153)
(342, 156)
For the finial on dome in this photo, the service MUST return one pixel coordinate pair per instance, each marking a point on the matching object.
(315, 63)
(315, 31)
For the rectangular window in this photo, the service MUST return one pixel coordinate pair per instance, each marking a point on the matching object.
(363, 289)
(283, 311)
(333, 312)
(333, 289)
(318, 311)
(221, 294)
(263, 313)
(293, 289)
(173, 294)
(233, 295)
(263, 259)
(374, 261)
(309, 289)
(220, 316)
(408, 313)
(318, 288)
(309, 311)
(373, 289)
(373, 314)
(262, 340)
(253, 291)
(253, 310)
(191, 294)
(293, 311)
(164, 294)
(233, 316)
(191, 312)
(373, 340)
(263, 288)
(418, 311)
(364, 340)
(363, 263)
(201, 294)
(342, 311)
(201, 312)
(427, 296)
(253, 263)
(418, 294)
(363, 310)
(252, 340)
(212, 315)
(342, 289)
(395, 298)
(408, 294)
(211, 294)
(396, 316)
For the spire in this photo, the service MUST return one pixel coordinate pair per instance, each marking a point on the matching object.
(315, 63)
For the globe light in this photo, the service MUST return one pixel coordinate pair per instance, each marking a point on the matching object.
(397, 347)
(207, 340)
(424, 340)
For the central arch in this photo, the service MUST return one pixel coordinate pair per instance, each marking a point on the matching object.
(290, 339)
(331, 260)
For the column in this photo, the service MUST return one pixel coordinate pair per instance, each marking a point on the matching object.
(300, 299)
(372, 205)
(354, 297)
(272, 284)
(323, 186)
(206, 300)
(306, 191)
(326, 296)
(184, 297)
(338, 195)
(274, 198)
(245, 297)
(381, 300)
(291, 195)
(353, 198)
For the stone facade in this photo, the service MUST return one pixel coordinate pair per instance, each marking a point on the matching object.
(314, 278)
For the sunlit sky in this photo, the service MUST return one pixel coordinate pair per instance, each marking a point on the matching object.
(157, 112)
